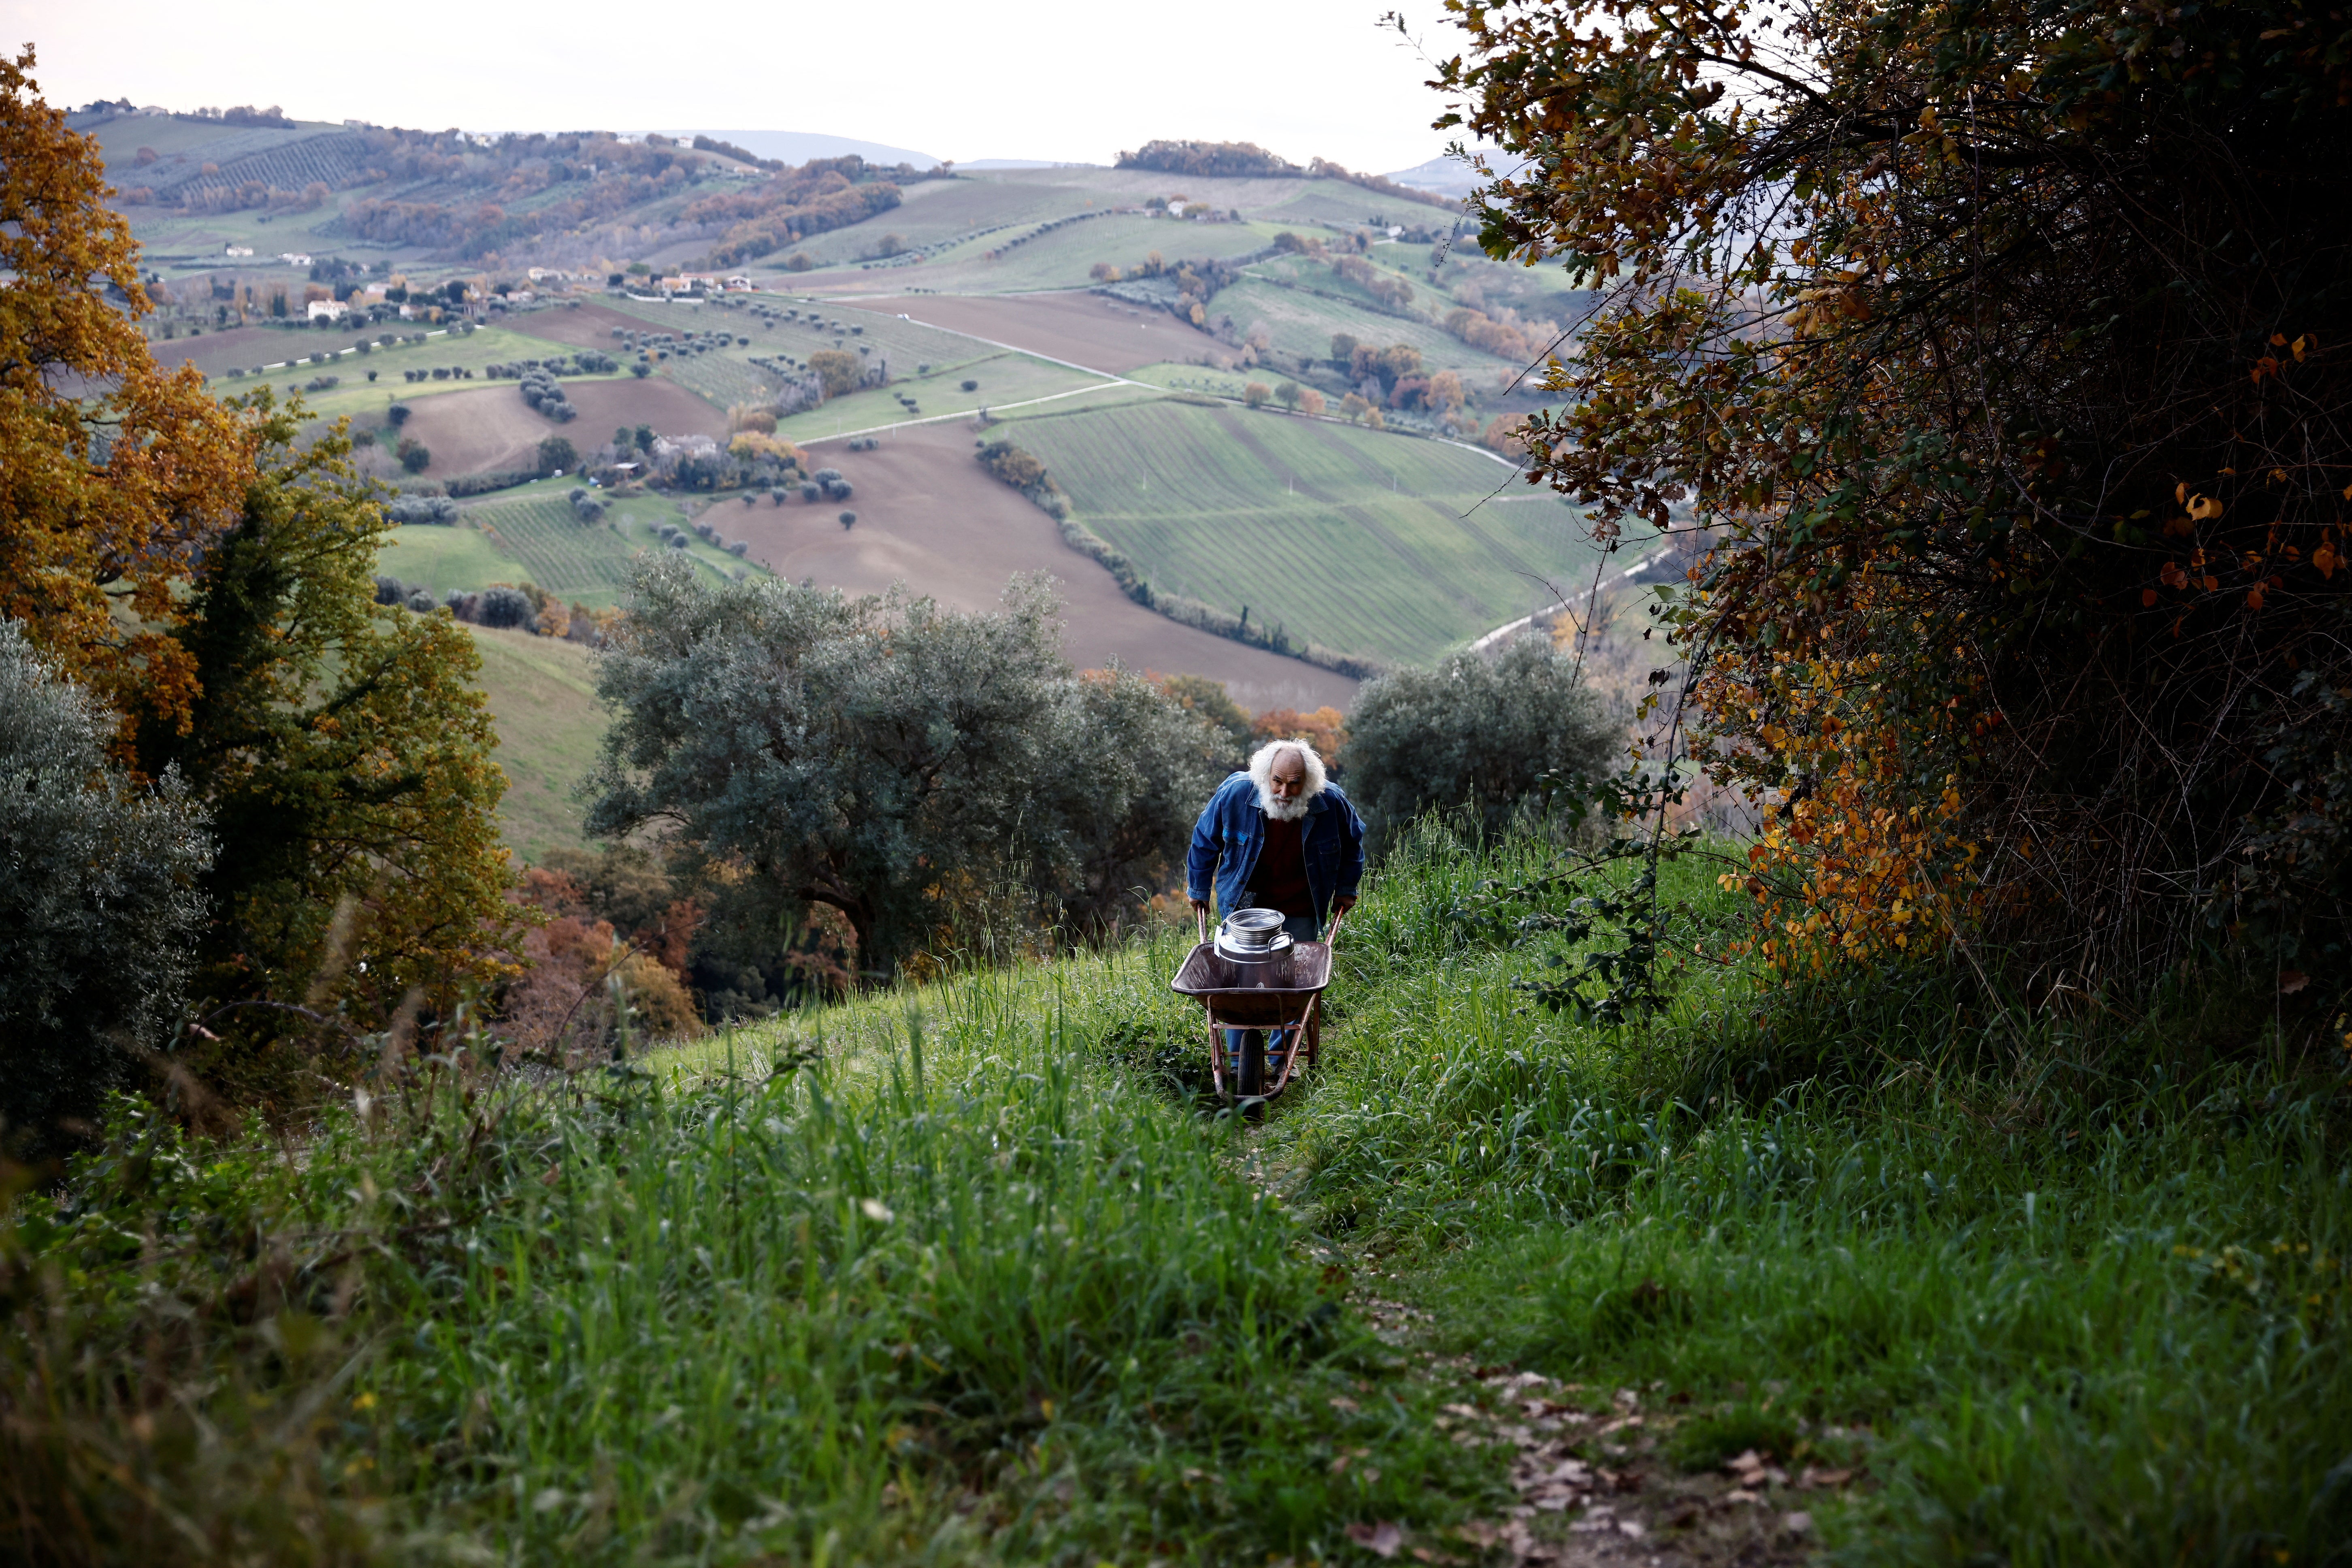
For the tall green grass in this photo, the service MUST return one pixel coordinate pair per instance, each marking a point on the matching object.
(946, 1289)
(2072, 1288)
(970, 1272)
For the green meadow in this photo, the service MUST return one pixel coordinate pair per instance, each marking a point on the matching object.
(967, 1272)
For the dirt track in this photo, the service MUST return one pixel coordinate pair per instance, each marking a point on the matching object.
(492, 427)
(928, 517)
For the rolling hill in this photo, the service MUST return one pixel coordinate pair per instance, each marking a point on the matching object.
(1368, 542)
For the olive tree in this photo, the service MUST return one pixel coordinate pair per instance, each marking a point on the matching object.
(99, 900)
(1472, 735)
(884, 757)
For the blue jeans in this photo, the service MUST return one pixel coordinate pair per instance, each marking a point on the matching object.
(1298, 928)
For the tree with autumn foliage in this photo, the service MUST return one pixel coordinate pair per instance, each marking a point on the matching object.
(115, 475)
(206, 574)
(1999, 349)
(343, 750)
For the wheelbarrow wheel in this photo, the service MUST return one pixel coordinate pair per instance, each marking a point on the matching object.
(1251, 1083)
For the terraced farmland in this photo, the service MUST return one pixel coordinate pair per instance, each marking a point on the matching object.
(1372, 544)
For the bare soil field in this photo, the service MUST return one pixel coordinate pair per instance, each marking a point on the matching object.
(1082, 328)
(471, 432)
(583, 327)
(247, 346)
(928, 516)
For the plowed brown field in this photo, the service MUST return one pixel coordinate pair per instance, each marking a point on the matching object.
(928, 516)
(1081, 328)
(491, 428)
(585, 326)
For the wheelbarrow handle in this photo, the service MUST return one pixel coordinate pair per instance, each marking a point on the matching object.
(1201, 923)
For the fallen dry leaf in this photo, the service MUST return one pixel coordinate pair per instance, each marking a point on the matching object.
(1478, 1532)
(1468, 1412)
(1382, 1539)
(1341, 1401)
(1818, 1478)
(1797, 1523)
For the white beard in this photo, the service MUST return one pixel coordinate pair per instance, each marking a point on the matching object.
(1282, 811)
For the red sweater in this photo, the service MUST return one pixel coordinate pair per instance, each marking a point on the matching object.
(1279, 882)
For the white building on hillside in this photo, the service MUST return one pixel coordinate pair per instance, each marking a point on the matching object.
(332, 310)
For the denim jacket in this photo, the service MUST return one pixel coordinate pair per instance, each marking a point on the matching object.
(1232, 830)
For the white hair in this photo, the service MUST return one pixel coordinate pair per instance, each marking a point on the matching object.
(1261, 772)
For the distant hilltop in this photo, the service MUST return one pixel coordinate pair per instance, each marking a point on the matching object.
(801, 146)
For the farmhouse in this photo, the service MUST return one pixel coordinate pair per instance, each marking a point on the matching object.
(294, 257)
(332, 310)
(236, 250)
(737, 284)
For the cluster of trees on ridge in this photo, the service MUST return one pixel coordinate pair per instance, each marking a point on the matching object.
(1248, 161)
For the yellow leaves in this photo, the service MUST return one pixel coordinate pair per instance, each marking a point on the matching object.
(2325, 558)
(2203, 509)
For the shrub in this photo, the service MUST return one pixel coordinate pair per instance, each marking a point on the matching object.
(421, 601)
(410, 510)
(397, 414)
(414, 457)
(503, 607)
(98, 903)
(1472, 735)
(971, 385)
(557, 455)
(848, 519)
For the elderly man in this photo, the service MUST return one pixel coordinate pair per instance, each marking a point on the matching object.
(1278, 836)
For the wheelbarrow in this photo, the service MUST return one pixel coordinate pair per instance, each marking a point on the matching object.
(1256, 978)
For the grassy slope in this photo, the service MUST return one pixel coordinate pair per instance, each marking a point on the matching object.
(531, 534)
(356, 396)
(971, 1285)
(1297, 519)
(542, 692)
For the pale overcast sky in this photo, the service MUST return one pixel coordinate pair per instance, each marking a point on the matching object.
(1028, 78)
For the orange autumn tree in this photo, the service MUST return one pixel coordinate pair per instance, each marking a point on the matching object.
(1998, 349)
(114, 475)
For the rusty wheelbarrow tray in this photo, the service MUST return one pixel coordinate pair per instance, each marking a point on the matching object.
(1276, 995)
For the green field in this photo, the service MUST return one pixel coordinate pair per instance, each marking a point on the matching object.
(356, 396)
(1063, 259)
(1372, 543)
(542, 691)
(1298, 322)
(445, 559)
(1003, 378)
(531, 534)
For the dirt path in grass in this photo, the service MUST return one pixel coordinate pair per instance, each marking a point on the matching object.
(1587, 1461)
